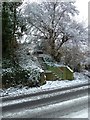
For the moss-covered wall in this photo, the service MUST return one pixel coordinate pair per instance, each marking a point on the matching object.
(56, 70)
(67, 74)
(62, 72)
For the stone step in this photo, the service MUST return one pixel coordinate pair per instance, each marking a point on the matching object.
(56, 77)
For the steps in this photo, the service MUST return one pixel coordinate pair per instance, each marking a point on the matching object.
(51, 73)
(57, 77)
(56, 70)
(51, 76)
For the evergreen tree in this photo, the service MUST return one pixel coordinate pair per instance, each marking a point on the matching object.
(9, 27)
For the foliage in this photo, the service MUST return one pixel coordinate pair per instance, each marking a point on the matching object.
(7, 63)
(35, 75)
(52, 24)
(13, 75)
(10, 25)
(72, 57)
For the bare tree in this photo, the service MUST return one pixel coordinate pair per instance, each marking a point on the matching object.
(52, 22)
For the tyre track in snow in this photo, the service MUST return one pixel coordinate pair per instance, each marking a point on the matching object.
(43, 99)
(21, 96)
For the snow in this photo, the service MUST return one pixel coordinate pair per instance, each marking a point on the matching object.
(85, 72)
(40, 96)
(79, 114)
(52, 108)
(7, 70)
(25, 60)
(50, 85)
(70, 69)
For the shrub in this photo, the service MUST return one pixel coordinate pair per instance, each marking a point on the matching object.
(13, 75)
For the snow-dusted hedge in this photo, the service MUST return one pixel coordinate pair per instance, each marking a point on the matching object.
(13, 76)
(36, 77)
(6, 63)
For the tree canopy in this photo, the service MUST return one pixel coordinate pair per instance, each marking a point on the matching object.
(53, 24)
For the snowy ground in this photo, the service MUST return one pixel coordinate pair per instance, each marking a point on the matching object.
(79, 114)
(50, 85)
(55, 110)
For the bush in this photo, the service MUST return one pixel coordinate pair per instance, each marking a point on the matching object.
(87, 67)
(7, 63)
(72, 57)
(13, 77)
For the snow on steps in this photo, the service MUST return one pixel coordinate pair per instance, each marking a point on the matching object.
(51, 76)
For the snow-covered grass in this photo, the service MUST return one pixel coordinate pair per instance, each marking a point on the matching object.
(50, 85)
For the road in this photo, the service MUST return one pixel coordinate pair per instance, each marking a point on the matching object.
(69, 102)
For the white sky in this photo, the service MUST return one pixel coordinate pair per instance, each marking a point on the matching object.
(82, 6)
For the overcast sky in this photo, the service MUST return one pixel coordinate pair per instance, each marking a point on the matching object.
(82, 6)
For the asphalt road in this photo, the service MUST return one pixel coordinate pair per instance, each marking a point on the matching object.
(51, 104)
